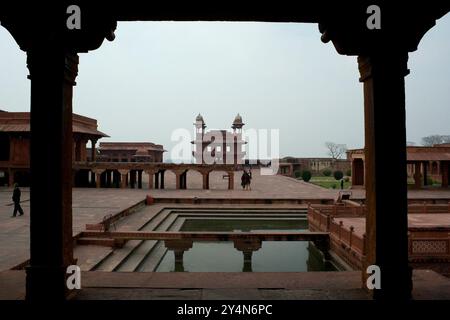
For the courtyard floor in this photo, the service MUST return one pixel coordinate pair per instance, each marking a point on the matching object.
(91, 205)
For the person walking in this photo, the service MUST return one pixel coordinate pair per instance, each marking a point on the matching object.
(16, 200)
(249, 187)
(244, 179)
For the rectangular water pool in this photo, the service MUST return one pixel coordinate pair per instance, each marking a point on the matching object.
(222, 256)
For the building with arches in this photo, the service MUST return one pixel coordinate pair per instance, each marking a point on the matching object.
(15, 144)
(423, 164)
(219, 146)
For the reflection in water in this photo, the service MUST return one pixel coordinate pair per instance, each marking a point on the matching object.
(272, 256)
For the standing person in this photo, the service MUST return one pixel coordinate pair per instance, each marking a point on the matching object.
(342, 184)
(244, 179)
(249, 179)
(16, 200)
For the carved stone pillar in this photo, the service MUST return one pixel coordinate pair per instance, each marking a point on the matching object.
(132, 175)
(247, 247)
(139, 182)
(178, 247)
(445, 173)
(52, 74)
(177, 179)
(151, 174)
(98, 176)
(425, 173)
(157, 180)
(417, 175)
(205, 176)
(385, 156)
(162, 173)
(93, 150)
(123, 178)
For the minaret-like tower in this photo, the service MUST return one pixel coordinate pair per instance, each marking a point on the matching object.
(236, 148)
(237, 124)
(198, 142)
(199, 127)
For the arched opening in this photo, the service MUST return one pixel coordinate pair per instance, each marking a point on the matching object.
(194, 179)
(218, 180)
(82, 178)
(169, 180)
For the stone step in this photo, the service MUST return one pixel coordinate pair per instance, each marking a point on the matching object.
(154, 223)
(145, 249)
(90, 256)
(121, 256)
(139, 219)
(176, 226)
(167, 223)
(117, 256)
(151, 262)
(153, 258)
(135, 258)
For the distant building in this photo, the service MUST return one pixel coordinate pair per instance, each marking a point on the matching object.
(289, 165)
(422, 163)
(219, 146)
(15, 144)
(130, 152)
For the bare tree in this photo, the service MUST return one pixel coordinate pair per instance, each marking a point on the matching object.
(335, 150)
(429, 141)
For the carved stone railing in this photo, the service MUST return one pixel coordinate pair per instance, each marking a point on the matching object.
(425, 244)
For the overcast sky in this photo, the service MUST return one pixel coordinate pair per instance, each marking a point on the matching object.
(156, 77)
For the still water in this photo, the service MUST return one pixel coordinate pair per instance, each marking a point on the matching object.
(273, 256)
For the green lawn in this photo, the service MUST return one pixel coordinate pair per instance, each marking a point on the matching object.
(329, 182)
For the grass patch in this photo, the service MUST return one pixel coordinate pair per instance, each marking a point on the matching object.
(329, 182)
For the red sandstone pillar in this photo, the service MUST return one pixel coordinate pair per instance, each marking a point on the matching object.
(98, 174)
(425, 173)
(417, 178)
(123, 178)
(177, 179)
(93, 150)
(52, 73)
(205, 176)
(386, 186)
(151, 174)
(445, 173)
(139, 183)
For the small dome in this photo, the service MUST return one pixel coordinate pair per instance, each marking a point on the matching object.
(199, 118)
(238, 119)
(237, 123)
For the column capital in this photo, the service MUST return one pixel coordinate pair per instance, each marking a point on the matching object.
(396, 62)
(70, 63)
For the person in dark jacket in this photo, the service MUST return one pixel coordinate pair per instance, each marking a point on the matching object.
(244, 179)
(16, 200)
